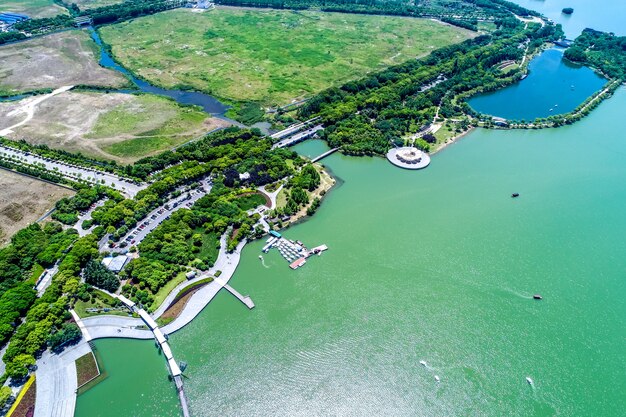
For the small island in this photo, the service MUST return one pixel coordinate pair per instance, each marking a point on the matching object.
(567, 10)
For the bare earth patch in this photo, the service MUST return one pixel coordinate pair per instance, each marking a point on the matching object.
(122, 127)
(66, 58)
(23, 200)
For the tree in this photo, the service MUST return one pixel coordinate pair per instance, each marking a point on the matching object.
(19, 367)
(99, 276)
(5, 394)
(69, 334)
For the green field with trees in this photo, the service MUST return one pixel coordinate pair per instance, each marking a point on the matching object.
(269, 56)
(367, 116)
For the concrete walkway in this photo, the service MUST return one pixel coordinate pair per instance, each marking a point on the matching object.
(56, 382)
(56, 374)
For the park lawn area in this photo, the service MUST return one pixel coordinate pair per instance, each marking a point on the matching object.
(272, 57)
(115, 126)
(162, 294)
(53, 61)
(33, 8)
(210, 246)
(250, 201)
(101, 300)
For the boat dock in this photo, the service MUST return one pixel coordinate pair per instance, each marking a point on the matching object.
(243, 298)
(294, 252)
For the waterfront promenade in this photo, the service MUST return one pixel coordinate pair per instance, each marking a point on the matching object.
(56, 374)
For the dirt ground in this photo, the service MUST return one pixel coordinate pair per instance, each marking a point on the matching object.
(66, 58)
(23, 200)
(79, 122)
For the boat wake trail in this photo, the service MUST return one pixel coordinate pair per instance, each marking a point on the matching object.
(518, 294)
(263, 262)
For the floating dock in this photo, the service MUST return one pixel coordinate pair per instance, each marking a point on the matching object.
(294, 252)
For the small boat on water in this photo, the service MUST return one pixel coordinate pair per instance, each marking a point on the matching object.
(423, 363)
(537, 297)
(529, 380)
(437, 378)
(514, 195)
(261, 257)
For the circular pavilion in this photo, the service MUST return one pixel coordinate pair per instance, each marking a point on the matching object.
(408, 157)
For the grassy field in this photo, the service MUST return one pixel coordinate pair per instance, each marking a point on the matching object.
(23, 200)
(269, 56)
(86, 369)
(122, 127)
(91, 4)
(66, 58)
(32, 8)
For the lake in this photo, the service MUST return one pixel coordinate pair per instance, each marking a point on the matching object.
(438, 265)
(553, 86)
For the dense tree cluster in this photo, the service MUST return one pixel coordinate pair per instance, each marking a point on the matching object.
(600, 50)
(69, 334)
(99, 276)
(464, 13)
(29, 247)
(49, 313)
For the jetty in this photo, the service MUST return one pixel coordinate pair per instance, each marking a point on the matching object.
(243, 298)
(294, 252)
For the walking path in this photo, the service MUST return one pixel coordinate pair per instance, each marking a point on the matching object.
(30, 107)
(56, 374)
(56, 382)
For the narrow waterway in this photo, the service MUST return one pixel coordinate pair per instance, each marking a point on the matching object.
(210, 104)
(438, 265)
(554, 86)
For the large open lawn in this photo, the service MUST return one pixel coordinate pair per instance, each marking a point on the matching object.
(66, 58)
(32, 8)
(23, 200)
(269, 56)
(122, 127)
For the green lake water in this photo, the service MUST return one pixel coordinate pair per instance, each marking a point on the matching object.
(437, 265)
(553, 86)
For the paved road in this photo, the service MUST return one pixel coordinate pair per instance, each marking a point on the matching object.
(137, 234)
(298, 137)
(74, 172)
(47, 279)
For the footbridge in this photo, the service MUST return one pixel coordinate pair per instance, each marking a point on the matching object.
(324, 155)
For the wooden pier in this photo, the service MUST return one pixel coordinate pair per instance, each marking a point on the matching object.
(244, 299)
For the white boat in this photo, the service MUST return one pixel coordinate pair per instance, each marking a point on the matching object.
(529, 380)
(261, 257)
(437, 378)
(423, 363)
